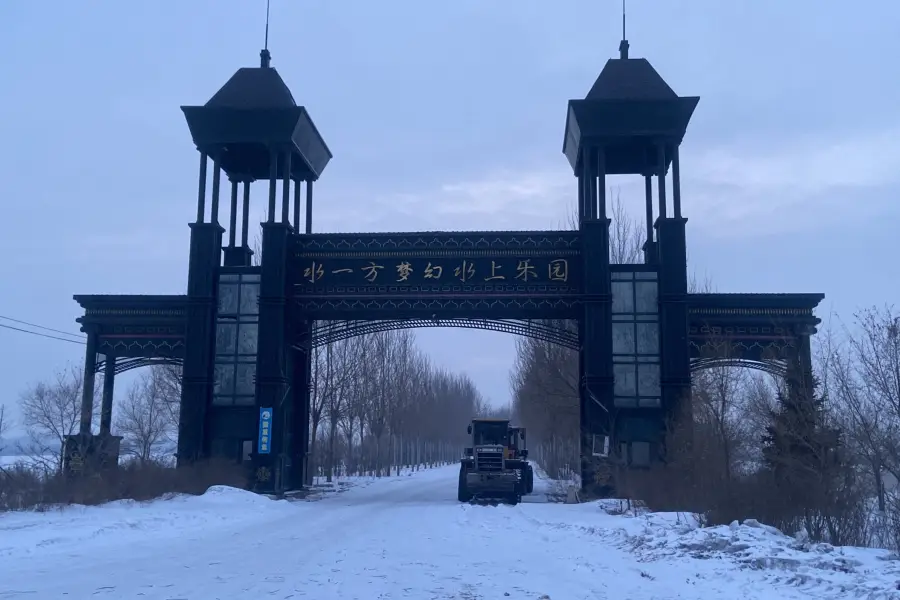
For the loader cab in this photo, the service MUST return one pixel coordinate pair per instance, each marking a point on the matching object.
(489, 432)
(516, 442)
(516, 437)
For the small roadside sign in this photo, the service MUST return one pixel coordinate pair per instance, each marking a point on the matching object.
(265, 431)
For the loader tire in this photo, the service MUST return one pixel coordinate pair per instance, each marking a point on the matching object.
(462, 490)
(529, 479)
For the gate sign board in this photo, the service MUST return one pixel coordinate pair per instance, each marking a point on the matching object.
(437, 259)
(265, 430)
(466, 269)
(527, 274)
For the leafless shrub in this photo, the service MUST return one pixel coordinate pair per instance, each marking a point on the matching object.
(709, 473)
(19, 486)
(812, 486)
(23, 488)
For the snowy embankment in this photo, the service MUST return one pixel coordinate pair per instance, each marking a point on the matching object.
(781, 561)
(833, 571)
(407, 537)
(77, 528)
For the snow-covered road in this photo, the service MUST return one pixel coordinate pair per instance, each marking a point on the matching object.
(401, 537)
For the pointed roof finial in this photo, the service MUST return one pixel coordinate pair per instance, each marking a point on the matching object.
(265, 58)
(623, 45)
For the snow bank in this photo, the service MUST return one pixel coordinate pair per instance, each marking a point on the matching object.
(65, 529)
(824, 570)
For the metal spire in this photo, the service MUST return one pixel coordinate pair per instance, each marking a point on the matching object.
(623, 45)
(264, 56)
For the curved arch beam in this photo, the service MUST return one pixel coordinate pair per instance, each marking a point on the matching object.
(771, 367)
(128, 364)
(533, 329)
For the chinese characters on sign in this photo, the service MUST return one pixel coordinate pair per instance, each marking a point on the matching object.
(465, 271)
(518, 270)
(558, 270)
(314, 272)
(371, 271)
(264, 444)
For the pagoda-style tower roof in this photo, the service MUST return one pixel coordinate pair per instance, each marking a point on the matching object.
(252, 114)
(629, 108)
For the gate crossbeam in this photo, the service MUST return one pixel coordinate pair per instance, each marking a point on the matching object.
(127, 364)
(333, 331)
(777, 368)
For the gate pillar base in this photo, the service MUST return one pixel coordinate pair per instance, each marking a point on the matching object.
(85, 454)
(265, 478)
(237, 256)
(598, 440)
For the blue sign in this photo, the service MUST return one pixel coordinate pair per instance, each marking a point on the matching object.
(265, 431)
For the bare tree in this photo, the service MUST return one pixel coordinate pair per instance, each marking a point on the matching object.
(256, 243)
(717, 406)
(144, 420)
(51, 411)
(758, 401)
(379, 394)
(864, 381)
(349, 358)
(404, 371)
(327, 378)
(353, 415)
(545, 391)
(875, 353)
(390, 408)
(167, 383)
(4, 425)
(626, 236)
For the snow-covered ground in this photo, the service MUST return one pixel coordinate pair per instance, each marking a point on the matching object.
(407, 537)
(24, 460)
(9, 460)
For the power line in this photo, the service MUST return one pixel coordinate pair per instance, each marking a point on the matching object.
(52, 337)
(42, 327)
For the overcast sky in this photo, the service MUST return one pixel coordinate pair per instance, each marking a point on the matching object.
(443, 115)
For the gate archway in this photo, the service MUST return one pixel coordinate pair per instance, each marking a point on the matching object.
(245, 332)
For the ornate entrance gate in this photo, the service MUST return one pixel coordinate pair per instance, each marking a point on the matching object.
(245, 333)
